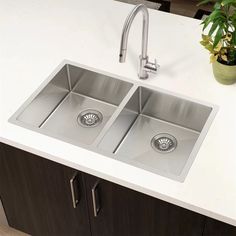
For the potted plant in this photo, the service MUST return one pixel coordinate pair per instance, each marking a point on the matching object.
(219, 38)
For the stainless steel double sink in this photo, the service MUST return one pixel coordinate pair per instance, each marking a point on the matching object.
(148, 128)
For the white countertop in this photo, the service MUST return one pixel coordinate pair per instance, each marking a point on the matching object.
(36, 36)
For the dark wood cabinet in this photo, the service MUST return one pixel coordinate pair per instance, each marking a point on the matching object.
(124, 212)
(217, 228)
(36, 195)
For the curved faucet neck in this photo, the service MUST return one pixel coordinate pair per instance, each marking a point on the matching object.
(126, 29)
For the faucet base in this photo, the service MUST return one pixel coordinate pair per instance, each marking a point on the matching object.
(142, 74)
(143, 78)
(145, 66)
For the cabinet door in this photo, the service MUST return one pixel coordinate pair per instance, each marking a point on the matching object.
(217, 228)
(118, 211)
(37, 198)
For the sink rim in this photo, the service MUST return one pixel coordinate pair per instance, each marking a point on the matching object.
(134, 85)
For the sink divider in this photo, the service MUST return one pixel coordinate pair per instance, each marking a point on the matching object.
(141, 108)
(115, 115)
(125, 134)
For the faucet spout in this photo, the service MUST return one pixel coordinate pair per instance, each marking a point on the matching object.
(145, 66)
(126, 29)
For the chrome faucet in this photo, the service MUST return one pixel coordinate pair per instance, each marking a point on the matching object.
(144, 65)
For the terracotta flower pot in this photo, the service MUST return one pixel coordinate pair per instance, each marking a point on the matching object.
(224, 74)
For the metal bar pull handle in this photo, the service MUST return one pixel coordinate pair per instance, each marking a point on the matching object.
(74, 192)
(95, 198)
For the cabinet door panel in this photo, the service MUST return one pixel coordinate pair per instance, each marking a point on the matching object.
(37, 197)
(125, 212)
(217, 228)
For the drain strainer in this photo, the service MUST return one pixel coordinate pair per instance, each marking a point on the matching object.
(89, 118)
(164, 143)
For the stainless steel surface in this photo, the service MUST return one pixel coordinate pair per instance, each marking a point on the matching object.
(64, 120)
(75, 201)
(149, 113)
(144, 65)
(71, 91)
(175, 109)
(95, 198)
(98, 86)
(123, 119)
(164, 143)
(47, 100)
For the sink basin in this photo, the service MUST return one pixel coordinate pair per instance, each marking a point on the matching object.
(155, 130)
(159, 132)
(75, 105)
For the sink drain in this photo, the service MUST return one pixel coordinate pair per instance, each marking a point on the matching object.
(90, 118)
(164, 143)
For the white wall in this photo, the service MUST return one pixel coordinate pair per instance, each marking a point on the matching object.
(3, 220)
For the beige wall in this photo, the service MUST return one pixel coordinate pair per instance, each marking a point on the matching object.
(3, 220)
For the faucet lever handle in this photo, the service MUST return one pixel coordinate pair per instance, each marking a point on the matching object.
(152, 66)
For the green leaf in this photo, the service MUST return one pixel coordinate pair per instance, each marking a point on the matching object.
(206, 38)
(206, 22)
(226, 2)
(234, 37)
(209, 47)
(204, 2)
(213, 58)
(217, 6)
(214, 26)
(218, 37)
(212, 17)
(233, 19)
(204, 43)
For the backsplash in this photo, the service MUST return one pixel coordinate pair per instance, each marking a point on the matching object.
(180, 7)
